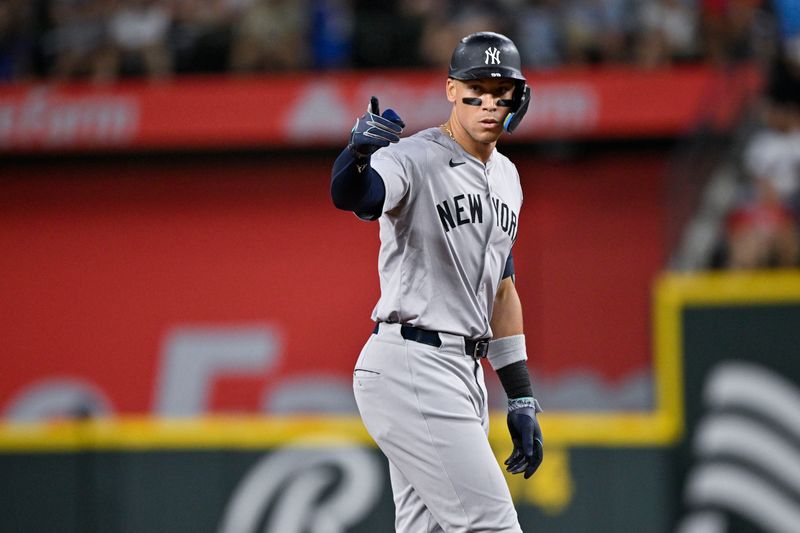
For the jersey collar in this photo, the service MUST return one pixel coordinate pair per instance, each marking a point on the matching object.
(442, 138)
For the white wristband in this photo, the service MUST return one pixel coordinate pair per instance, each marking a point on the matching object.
(507, 350)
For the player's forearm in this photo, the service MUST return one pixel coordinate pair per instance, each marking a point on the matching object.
(507, 353)
(355, 186)
(516, 380)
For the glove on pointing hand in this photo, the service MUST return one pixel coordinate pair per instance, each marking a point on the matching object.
(373, 130)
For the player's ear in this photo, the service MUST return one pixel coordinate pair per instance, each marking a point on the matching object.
(450, 89)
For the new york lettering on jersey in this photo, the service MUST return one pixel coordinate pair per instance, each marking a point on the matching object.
(467, 208)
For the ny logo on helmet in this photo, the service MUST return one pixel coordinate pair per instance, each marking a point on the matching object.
(492, 56)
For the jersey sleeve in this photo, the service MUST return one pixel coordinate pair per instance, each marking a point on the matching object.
(508, 270)
(395, 171)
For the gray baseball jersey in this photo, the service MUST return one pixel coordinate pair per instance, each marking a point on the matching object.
(448, 225)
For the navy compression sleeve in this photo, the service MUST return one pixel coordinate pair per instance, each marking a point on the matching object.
(516, 380)
(356, 186)
(508, 271)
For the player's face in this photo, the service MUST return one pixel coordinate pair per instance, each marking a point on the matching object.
(484, 121)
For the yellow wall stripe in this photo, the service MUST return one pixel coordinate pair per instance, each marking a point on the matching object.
(249, 433)
(659, 427)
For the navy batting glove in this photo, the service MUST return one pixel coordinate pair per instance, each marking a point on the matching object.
(526, 435)
(373, 130)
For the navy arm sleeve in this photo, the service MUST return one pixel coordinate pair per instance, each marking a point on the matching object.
(516, 380)
(509, 269)
(356, 186)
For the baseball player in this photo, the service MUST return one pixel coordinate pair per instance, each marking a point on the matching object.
(448, 208)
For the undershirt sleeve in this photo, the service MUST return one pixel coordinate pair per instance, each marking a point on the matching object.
(508, 271)
(356, 186)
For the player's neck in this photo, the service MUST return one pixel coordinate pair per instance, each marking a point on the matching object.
(482, 151)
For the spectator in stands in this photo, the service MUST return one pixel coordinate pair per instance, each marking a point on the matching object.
(787, 19)
(762, 230)
(137, 41)
(77, 38)
(16, 39)
(389, 34)
(201, 33)
(538, 33)
(271, 35)
(667, 32)
(595, 30)
(743, 31)
(731, 29)
(331, 33)
(444, 27)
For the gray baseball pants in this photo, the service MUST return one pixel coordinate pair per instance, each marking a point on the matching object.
(426, 409)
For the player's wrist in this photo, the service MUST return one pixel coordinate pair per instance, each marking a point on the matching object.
(357, 148)
(516, 380)
(359, 157)
(525, 401)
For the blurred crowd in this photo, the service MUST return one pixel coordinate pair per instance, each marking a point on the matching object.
(762, 229)
(107, 39)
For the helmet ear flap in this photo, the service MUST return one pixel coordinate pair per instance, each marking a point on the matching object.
(522, 99)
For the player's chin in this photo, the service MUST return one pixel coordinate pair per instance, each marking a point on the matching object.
(487, 135)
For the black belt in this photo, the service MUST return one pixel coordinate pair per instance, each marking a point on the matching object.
(477, 349)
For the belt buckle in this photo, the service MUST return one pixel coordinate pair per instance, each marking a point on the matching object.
(481, 349)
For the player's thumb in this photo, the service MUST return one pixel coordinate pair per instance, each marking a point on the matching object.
(390, 114)
(374, 107)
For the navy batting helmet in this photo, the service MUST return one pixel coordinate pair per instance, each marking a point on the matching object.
(487, 54)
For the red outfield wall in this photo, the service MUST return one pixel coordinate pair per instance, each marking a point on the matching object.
(313, 109)
(102, 262)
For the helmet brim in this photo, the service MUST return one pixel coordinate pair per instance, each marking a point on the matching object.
(492, 73)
